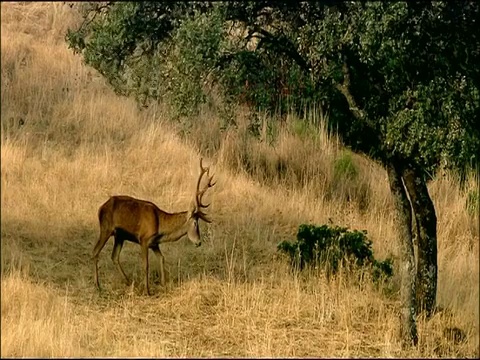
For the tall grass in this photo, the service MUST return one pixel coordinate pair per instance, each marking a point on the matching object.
(68, 142)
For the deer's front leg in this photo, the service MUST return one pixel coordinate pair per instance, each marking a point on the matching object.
(161, 260)
(145, 266)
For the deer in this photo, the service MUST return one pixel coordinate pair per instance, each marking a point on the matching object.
(143, 223)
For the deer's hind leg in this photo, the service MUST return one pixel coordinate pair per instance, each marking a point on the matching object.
(117, 248)
(102, 240)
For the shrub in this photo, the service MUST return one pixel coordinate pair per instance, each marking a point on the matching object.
(332, 247)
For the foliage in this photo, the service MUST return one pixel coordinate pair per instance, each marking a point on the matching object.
(408, 73)
(196, 45)
(410, 68)
(176, 54)
(134, 45)
(332, 247)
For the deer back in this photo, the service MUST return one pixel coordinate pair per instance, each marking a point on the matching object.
(137, 217)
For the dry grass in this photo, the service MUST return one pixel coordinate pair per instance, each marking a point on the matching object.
(68, 143)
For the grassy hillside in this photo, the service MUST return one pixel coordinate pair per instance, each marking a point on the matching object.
(68, 143)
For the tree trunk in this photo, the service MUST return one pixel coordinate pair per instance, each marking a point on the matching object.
(403, 221)
(426, 220)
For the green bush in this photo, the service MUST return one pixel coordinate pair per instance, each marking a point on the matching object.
(332, 247)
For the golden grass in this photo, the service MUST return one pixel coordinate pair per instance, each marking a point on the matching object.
(68, 143)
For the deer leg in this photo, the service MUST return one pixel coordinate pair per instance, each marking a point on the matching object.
(117, 248)
(102, 240)
(161, 259)
(145, 265)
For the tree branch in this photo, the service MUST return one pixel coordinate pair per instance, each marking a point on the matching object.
(285, 46)
(354, 108)
(344, 88)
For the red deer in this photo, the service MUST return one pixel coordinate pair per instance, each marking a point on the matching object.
(142, 222)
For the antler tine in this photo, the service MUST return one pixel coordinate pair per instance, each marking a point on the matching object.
(202, 171)
(210, 180)
(200, 193)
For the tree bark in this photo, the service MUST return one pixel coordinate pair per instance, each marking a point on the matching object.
(426, 220)
(408, 324)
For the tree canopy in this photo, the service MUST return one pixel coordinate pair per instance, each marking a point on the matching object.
(400, 78)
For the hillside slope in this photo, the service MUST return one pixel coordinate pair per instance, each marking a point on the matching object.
(68, 142)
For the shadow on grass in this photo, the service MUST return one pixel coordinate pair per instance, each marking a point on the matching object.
(61, 257)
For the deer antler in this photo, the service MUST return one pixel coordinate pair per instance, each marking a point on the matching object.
(199, 193)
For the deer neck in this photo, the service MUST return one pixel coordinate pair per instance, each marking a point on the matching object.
(174, 226)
